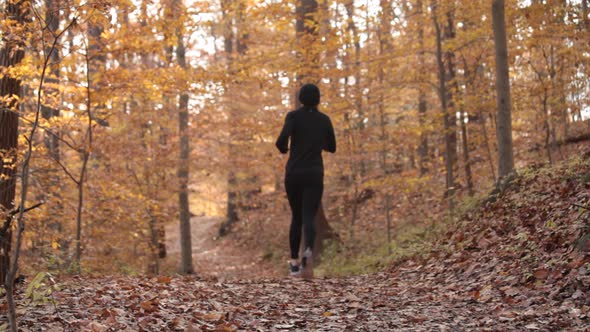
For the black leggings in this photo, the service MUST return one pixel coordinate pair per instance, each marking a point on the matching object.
(304, 192)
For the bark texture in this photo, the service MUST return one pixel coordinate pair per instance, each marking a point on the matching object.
(186, 264)
(11, 54)
(504, 120)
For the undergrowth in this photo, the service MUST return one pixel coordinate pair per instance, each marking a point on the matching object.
(369, 252)
(408, 241)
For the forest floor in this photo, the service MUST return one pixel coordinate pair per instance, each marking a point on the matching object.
(403, 301)
(518, 261)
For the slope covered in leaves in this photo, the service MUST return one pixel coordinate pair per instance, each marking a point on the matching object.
(523, 251)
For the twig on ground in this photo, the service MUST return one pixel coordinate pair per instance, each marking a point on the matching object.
(581, 206)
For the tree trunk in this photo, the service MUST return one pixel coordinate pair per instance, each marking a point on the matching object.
(466, 160)
(422, 103)
(306, 28)
(384, 33)
(547, 127)
(11, 55)
(464, 137)
(94, 60)
(443, 95)
(231, 214)
(323, 232)
(452, 89)
(49, 111)
(186, 264)
(234, 45)
(504, 121)
(8, 154)
(478, 74)
(232, 181)
(358, 92)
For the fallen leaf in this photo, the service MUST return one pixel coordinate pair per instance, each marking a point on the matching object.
(284, 326)
(541, 274)
(224, 327)
(212, 316)
(356, 305)
(149, 306)
(164, 280)
(97, 327)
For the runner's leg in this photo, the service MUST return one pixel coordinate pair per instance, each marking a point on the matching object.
(295, 197)
(312, 196)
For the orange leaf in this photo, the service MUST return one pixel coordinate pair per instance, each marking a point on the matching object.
(164, 280)
(541, 274)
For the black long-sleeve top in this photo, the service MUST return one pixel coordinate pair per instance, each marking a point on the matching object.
(311, 131)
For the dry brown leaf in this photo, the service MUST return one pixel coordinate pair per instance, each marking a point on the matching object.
(149, 306)
(97, 327)
(225, 327)
(164, 280)
(212, 316)
(541, 274)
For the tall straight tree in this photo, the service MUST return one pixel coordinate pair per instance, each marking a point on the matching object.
(95, 63)
(357, 74)
(186, 263)
(504, 119)
(450, 148)
(385, 47)
(11, 54)
(231, 12)
(422, 101)
(307, 29)
(49, 111)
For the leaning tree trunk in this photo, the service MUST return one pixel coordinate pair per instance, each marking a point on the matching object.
(11, 54)
(504, 121)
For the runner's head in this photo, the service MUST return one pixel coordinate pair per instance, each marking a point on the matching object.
(309, 95)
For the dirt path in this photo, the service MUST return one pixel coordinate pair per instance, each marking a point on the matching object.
(216, 257)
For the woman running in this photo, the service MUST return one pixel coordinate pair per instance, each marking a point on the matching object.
(310, 131)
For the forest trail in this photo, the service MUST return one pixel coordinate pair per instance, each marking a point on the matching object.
(400, 301)
(215, 257)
